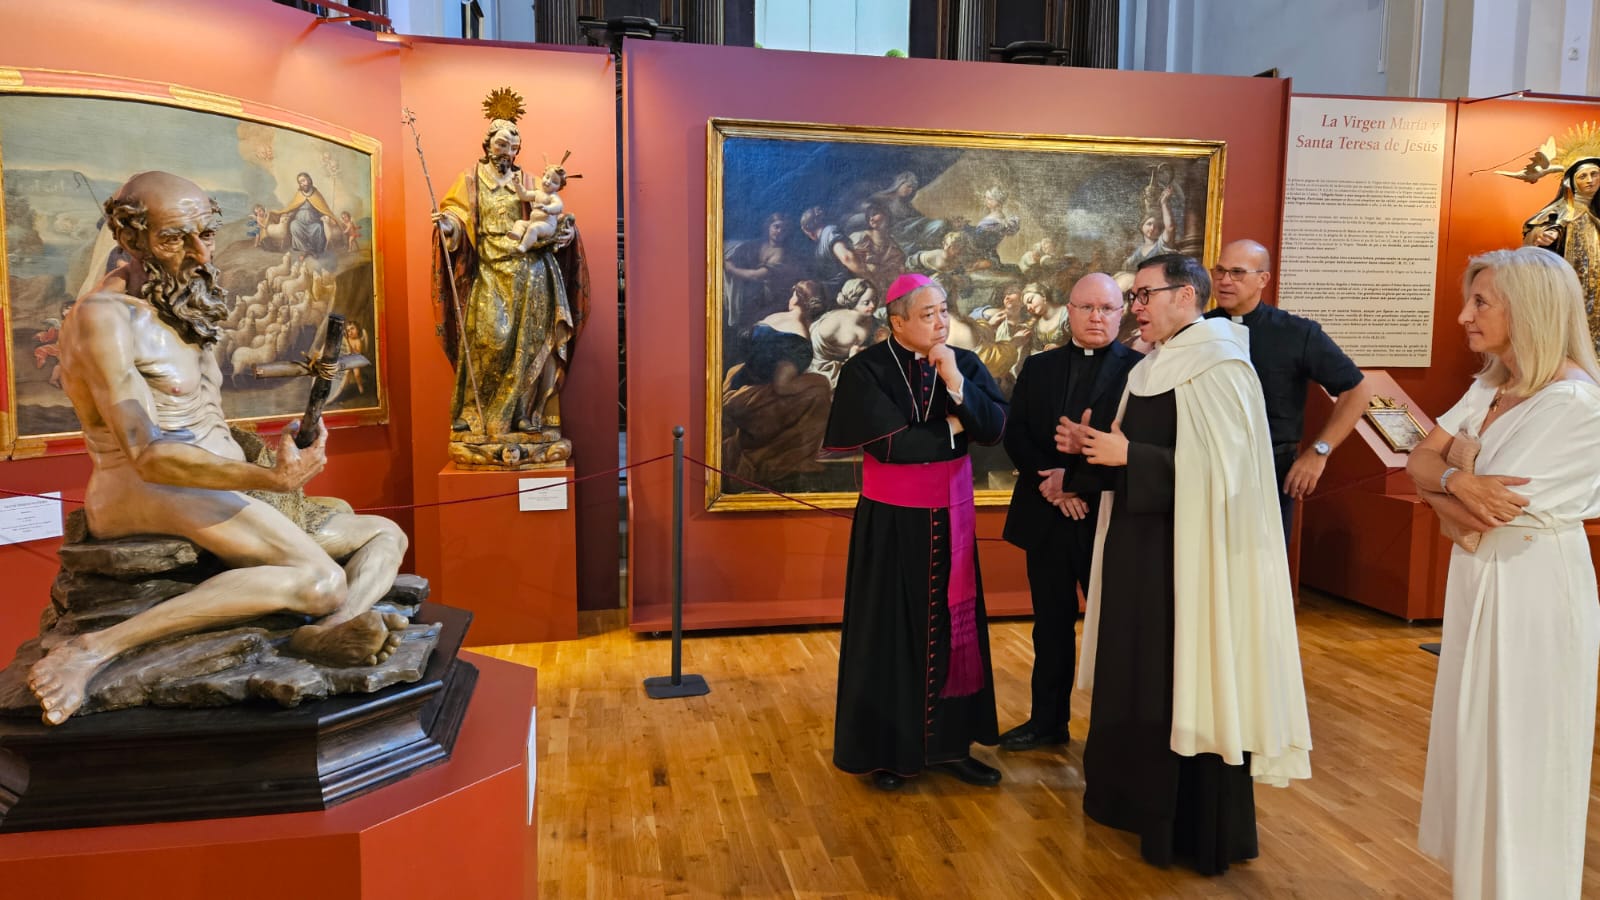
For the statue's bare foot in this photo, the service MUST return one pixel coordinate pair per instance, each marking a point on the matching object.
(61, 680)
(355, 642)
(397, 625)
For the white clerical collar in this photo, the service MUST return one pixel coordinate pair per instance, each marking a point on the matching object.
(1239, 319)
(1087, 351)
(914, 354)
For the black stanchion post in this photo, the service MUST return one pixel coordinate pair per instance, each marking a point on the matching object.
(677, 684)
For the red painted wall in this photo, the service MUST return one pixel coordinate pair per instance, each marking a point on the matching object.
(571, 98)
(790, 566)
(263, 53)
(1489, 212)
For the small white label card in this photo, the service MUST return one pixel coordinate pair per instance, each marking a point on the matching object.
(25, 519)
(541, 493)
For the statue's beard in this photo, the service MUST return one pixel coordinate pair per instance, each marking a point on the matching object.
(195, 307)
(502, 164)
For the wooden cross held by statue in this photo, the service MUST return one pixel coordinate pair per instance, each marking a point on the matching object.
(327, 370)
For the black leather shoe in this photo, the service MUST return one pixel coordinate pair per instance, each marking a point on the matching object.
(1026, 737)
(887, 781)
(971, 771)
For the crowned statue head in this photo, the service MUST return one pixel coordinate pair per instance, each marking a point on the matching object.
(502, 142)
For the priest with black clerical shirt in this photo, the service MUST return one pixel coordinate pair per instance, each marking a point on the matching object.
(915, 685)
(1189, 645)
(1288, 352)
(1056, 499)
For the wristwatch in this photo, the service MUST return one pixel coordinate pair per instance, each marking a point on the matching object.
(1321, 448)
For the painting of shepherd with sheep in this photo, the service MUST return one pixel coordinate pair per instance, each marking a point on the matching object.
(295, 245)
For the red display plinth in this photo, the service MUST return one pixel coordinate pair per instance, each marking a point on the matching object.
(515, 569)
(461, 829)
(1366, 535)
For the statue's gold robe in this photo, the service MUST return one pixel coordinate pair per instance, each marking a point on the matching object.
(514, 319)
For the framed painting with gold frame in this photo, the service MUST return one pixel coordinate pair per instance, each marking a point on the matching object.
(1395, 424)
(808, 223)
(295, 243)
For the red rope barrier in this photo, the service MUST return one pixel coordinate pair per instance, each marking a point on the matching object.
(761, 487)
(49, 496)
(832, 512)
(777, 493)
(372, 509)
(644, 462)
(616, 471)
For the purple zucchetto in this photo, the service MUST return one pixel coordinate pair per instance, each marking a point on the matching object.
(905, 284)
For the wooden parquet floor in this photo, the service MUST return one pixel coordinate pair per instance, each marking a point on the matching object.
(733, 794)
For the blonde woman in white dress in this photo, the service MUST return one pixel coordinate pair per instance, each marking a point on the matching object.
(1506, 795)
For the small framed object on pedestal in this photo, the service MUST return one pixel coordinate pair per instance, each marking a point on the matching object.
(1394, 423)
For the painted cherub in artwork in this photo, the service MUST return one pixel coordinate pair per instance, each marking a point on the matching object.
(351, 231)
(256, 225)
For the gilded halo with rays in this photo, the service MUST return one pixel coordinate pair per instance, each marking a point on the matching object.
(503, 103)
(1581, 141)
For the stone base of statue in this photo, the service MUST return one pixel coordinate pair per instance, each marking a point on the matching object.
(219, 722)
(102, 583)
(511, 450)
(159, 765)
(466, 828)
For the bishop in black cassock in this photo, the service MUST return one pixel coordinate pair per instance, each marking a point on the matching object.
(915, 686)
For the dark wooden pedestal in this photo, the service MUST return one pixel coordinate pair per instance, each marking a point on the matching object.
(162, 765)
(464, 828)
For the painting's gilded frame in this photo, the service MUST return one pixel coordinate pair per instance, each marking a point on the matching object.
(67, 83)
(719, 130)
(1396, 425)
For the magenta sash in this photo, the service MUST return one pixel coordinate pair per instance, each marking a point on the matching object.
(942, 485)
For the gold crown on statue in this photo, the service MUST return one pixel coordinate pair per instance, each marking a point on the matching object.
(1582, 141)
(503, 103)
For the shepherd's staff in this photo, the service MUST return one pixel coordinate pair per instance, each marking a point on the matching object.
(450, 269)
(79, 178)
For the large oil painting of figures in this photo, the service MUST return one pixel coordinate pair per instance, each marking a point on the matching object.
(809, 224)
(295, 242)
